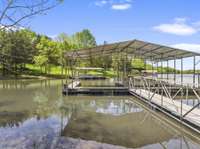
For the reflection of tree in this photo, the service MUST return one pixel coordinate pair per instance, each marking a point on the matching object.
(40, 98)
(12, 118)
(44, 107)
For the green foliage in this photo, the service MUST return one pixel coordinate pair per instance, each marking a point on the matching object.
(48, 53)
(26, 51)
(21, 47)
(84, 39)
(121, 62)
(138, 64)
(18, 48)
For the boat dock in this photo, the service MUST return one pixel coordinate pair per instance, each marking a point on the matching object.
(160, 80)
(75, 88)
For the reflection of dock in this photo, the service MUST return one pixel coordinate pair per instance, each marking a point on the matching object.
(159, 93)
(130, 130)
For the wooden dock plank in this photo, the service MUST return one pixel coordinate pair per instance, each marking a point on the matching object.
(171, 105)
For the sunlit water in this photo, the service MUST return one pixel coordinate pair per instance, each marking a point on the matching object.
(34, 114)
(188, 79)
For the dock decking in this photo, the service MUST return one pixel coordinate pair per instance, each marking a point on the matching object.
(170, 105)
(75, 88)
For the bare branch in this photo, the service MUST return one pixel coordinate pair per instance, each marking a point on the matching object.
(14, 12)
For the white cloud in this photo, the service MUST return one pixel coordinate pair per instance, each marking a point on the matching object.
(121, 6)
(180, 20)
(115, 4)
(101, 3)
(179, 27)
(196, 25)
(187, 46)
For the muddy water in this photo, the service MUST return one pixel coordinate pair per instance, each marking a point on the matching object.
(34, 114)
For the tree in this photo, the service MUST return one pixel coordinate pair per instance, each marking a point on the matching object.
(121, 63)
(85, 39)
(17, 48)
(48, 53)
(14, 12)
(65, 43)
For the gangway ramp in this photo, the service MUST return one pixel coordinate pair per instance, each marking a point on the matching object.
(176, 108)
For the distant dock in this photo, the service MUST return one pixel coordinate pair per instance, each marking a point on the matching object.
(74, 88)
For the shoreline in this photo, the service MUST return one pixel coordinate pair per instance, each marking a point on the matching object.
(29, 77)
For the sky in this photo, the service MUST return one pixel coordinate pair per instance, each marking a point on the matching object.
(174, 23)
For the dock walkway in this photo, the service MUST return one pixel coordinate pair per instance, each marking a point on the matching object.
(173, 106)
(75, 89)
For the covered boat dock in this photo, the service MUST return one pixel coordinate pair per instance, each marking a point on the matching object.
(158, 90)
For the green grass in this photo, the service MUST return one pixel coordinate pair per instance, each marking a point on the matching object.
(56, 72)
(107, 73)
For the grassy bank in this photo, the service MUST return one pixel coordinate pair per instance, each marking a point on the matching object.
(35, 72)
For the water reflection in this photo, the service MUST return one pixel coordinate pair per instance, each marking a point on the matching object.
(98, 83)
(35, 115)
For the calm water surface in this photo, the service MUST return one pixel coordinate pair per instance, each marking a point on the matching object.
(34, 114)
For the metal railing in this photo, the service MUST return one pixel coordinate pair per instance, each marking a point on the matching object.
(164, 89)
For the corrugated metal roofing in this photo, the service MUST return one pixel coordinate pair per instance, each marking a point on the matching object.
(137, 48)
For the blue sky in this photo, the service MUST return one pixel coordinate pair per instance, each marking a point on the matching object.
(170, 22)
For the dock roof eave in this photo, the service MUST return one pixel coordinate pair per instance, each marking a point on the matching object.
(137, 48)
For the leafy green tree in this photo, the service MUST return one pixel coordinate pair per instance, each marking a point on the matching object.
(48, 53)
(65, 43)
(18, 48)
(85, 39)
(120, 63)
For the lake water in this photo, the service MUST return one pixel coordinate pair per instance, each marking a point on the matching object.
(187, 79)
(34, 114)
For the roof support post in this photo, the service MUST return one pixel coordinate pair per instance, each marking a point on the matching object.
(194, 70)
(157, 66)
(152, 68)
(162, 69)
(145, 64)
(118, 69)
(125, 67)
(167, 69)
(175, 70)
(181, 71)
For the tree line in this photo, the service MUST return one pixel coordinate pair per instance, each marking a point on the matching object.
(21, 47)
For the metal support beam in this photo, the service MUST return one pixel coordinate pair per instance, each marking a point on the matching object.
(191, 109)
(181, 71)
(167, 69)
(194, 70)
(174, 70)
(162, 69)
